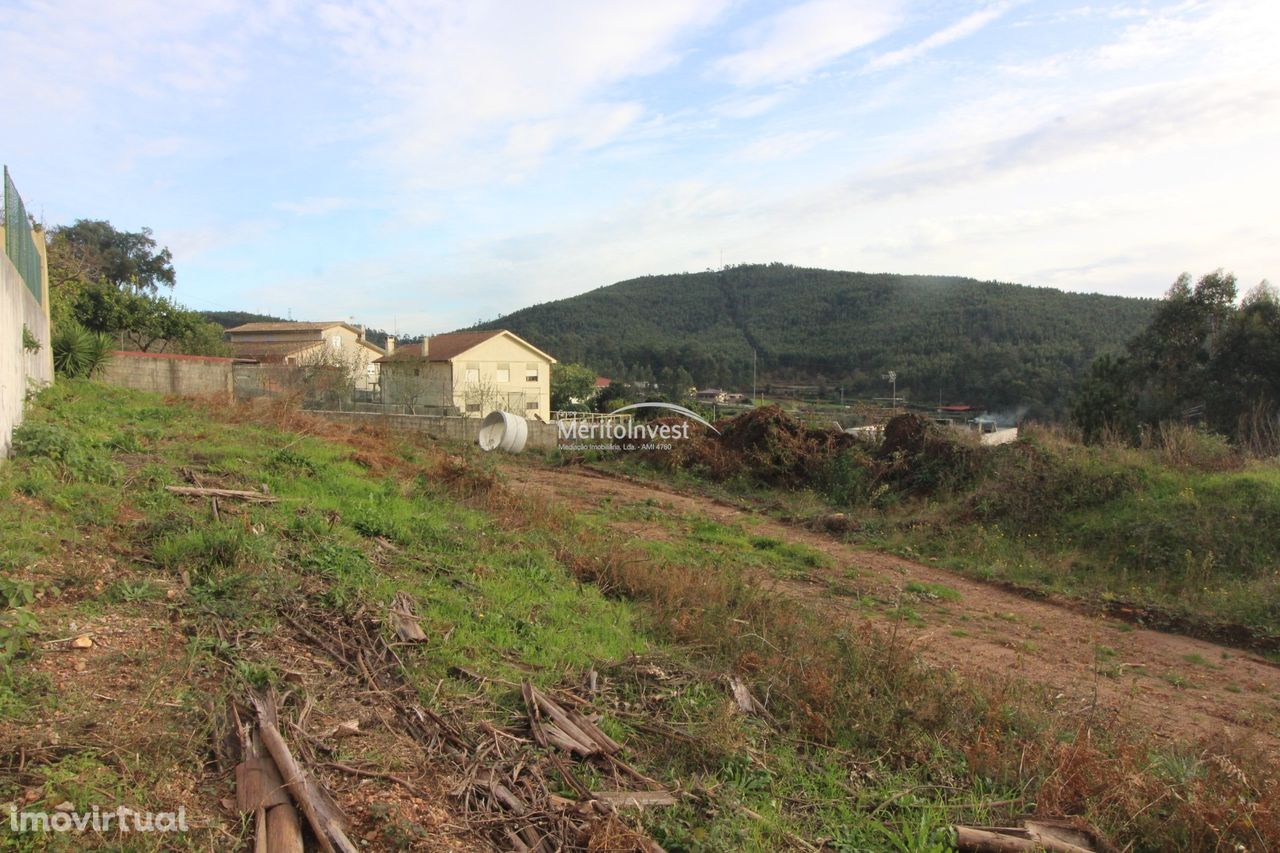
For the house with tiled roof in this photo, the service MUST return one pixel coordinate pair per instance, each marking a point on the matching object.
(469, 373)
(323, 344)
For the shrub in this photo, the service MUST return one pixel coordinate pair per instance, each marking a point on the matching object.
(75, 456)
(1183, 446)
(17, 625)
(79, 353)
(1032, 488)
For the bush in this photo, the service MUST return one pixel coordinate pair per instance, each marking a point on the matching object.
(1032, 488)
(1184, 446)
(79, 353)
(71, 453)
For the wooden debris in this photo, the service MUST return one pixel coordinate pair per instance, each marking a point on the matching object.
(237, 494)
(1034, 836)
(261, 791)
(284, 830)
(327, 821)
(258, 784)
(635, 799)
(404, 622)
(362, 648)
(747, 703)
(567, 730)
(347, 728)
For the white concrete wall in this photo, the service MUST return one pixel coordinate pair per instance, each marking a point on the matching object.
(21, 369)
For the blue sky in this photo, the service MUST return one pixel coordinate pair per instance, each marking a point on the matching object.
(423, 165)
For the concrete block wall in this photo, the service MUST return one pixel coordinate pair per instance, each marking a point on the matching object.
(541, 436)
(21, 369)
(166, 373)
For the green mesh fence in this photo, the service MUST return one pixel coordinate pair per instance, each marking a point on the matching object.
(18, 244)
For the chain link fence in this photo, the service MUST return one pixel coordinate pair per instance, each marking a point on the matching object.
(18, 244)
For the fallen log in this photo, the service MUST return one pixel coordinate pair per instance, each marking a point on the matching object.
(635, 799)
(973, 839)
(322, 813)
(238, 494)
(261, 791)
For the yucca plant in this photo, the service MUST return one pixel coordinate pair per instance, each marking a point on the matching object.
(78, 352)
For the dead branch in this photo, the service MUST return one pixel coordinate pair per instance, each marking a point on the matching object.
(326, 819)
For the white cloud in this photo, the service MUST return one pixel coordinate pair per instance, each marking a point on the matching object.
(961, 29)
(749, 107)
(463, 84)
(782, 146)
(319, 205)
(806, 37)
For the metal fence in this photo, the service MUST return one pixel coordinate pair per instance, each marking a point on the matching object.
(18, 244)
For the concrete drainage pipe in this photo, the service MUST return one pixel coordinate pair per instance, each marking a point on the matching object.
(503, 431)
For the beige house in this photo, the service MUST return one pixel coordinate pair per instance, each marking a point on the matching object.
(333, 344)
(469, 373)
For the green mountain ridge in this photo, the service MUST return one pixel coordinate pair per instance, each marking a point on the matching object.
(947, 337)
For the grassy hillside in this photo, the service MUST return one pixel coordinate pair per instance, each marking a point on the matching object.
(973, 341)
(1183, 532)
(189, 605)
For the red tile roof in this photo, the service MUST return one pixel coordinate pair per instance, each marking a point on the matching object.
(404, 352)
(291, 326)
(450, 346)
(454, 344)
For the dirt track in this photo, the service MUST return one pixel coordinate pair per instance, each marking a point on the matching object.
(1177, 686)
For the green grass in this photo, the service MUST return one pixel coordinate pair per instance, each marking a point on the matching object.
(870, 752)
(936, 591)
(1103, 523)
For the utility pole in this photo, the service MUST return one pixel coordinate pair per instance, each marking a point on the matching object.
(754, 400)
(892, 376)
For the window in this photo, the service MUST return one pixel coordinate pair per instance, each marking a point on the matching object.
(504, 373)
(473, 374)
(336, 340)
(531, 373)
(473, 407)
(530, 406)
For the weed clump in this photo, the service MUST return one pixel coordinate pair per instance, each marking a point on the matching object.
(74, 457)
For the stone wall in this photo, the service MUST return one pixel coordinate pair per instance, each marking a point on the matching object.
(21, 369)
(541, 436)
(165, 373)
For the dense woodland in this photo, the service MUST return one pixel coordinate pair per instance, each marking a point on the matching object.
(950, 338)
(1205, 359)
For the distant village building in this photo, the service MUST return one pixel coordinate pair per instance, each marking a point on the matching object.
(469, 373)
(326, 344)
(710, 395)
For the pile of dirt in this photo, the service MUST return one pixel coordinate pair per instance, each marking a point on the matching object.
(771, 447)
(903, 434)
(765, 444)
(917, 457)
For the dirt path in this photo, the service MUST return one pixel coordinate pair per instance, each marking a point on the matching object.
(1177, 686)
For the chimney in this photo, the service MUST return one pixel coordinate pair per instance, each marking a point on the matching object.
(391, 344)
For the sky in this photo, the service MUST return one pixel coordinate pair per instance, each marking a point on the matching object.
(419, 166)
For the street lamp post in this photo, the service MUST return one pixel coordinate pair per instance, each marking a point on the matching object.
(892, 376)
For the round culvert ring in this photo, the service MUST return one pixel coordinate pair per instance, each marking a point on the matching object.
(503, 431)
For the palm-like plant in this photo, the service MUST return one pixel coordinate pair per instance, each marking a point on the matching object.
(78, 352)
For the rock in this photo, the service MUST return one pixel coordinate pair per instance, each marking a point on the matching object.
(84, 641)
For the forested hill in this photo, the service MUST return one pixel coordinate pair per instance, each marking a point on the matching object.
(969, 341)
